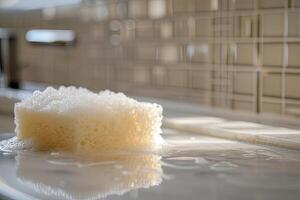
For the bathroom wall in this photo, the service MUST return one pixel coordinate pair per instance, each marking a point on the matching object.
(232, 54)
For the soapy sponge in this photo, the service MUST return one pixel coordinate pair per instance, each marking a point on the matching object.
(76, 119)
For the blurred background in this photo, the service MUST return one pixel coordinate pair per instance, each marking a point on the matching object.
(220, 68)
(241, 55)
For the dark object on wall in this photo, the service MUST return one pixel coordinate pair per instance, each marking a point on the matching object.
(8, 58)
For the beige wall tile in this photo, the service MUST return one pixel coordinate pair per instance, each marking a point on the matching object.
(293, 55)
(207, 5)
(272, 25)
(169, 54)
(293, 109)
(145, 52)
(141, 75)
(137, 8)
(102, 77)
(201, 80)
(124, 74)
(292, 86)
(243, 83)
(180, 6)
(159, 75)
(293, 24)
(268, 107)
(246, 54)
(204, 27)
(243, 105)
(83, 75)
(272, 54)
(144, 29)
(217, 53)
(177, 78)
(271, 84)
(166, 29)
(236, 32)
(271, 3)
(181, 28)
(241, 4)
(118, 9)
(220, 53)
(60, 78)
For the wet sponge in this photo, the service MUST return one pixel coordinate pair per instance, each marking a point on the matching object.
(76, 119)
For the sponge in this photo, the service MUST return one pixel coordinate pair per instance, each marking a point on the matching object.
(76, 119)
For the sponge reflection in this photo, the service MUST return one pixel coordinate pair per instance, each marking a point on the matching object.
(66, 177)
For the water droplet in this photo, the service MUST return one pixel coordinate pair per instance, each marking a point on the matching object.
(223, 166)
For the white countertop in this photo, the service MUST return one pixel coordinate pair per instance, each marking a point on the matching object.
(191, 167)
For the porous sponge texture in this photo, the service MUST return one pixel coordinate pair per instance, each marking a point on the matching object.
(76, 119)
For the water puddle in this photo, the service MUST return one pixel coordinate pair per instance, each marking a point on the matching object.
(57, 175)
(65, 176)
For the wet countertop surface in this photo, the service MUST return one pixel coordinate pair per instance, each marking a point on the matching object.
(189, 167)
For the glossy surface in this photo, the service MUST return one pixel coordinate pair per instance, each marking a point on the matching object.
(190, 167)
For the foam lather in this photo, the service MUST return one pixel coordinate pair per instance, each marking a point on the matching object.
(76, 119)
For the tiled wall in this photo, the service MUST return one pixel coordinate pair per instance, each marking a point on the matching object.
(233, 54)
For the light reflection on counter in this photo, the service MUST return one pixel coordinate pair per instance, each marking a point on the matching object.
(58, 176)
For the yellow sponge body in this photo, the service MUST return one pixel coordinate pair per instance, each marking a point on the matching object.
(76, 119)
